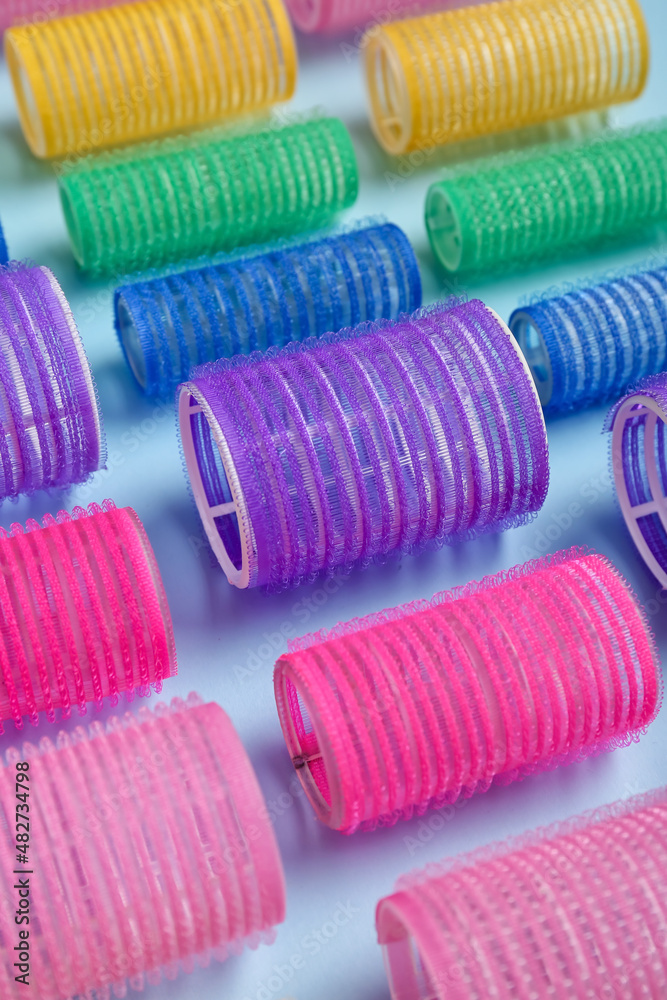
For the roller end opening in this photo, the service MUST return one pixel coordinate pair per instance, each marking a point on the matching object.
(409, 978)
(391, 116)
(73, 225)
(131, 341)
(29, 113)
(534, 349)
(444, 229)
(638, 463)
(303, 742)
(215, 486)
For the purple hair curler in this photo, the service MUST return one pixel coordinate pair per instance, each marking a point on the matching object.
(382, 438)
(639, 464)
(50, 423)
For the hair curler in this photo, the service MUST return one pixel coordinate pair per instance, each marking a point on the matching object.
(574, 910)
(186, 198)
(409, 709)
(151, 851)
(479, 70)
(639, 466)
(384, 438)
(133, 71)
(83, 613)
(588, 344)
(516, 209)
(169, 324)
(50, 423)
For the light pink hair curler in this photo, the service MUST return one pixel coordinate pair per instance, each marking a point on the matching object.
(574, 912)
(408, 709)
(151, 851)
(83, 613)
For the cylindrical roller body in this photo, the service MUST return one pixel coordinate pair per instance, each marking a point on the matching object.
(4, 255)
(168, 325)
(138, 70)
(179, 200)
(83, 613)
(151, 851)
(384, 438)
(409, 709)
(50, 423)
(639, 463)
(513, 211)
(589, 344)
(465, 73)
(578, 911)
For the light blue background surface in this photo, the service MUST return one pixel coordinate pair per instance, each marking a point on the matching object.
(224, 636)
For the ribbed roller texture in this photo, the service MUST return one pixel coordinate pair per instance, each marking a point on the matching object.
(21, 12)
(464, 73)
(411, 708)
(50, 424)
(639, 466)
(516, 210)
(179, 200)
(589, 344)
(169, 324)
(150, 852)
(83, 613)
(387, 437)
(4, 255)
(577, 910)
(136, 70)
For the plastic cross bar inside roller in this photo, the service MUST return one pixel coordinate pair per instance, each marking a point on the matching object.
(638, 425)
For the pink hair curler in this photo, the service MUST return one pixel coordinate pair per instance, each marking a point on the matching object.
(574, 912)
(83, 613)
(408, 709)
(151, 851)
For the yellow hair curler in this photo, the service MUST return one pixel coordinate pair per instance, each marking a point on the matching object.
(128, 73)
(465, 73)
